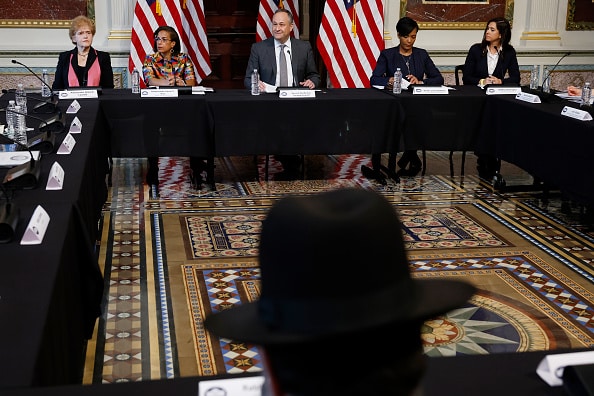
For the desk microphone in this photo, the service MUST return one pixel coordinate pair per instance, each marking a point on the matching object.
(40, 105)
(554, 67)
(9, 217)
(43, 141)
(45, 106)
(24, 176)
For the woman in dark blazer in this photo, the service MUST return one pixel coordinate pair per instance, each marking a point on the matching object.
(489, 61)
(492, 61)
(83, 66)
(417, 68)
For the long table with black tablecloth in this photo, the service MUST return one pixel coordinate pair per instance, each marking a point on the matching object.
(536, 137)
(51, 293)
(336, 121)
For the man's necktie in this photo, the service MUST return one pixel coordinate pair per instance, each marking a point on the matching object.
(282, 65)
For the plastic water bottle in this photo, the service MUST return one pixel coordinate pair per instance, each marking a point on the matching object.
(255, 82)
(586, 94)
(135, 81)
(45, 89)
(20, 127)
(546, 83)
(397, 85)
(21, 98)
(534, 77)
(10, 119)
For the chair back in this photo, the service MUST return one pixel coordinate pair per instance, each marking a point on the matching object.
(458, 72)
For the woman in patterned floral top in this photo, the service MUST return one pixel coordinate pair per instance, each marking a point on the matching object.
(168, 66)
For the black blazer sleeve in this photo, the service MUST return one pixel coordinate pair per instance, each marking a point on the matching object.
(61, 76)
(106, 80)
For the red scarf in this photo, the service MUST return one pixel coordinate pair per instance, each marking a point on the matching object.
(93, 75)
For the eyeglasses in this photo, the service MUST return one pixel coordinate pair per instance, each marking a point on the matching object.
(163, 39)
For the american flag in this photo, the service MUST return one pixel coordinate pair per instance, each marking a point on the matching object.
(350, 40)
(267, 8)
(185, 16)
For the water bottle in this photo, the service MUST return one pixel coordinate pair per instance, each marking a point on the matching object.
(45, 89)
(135, 81)
(546, 83)
(21, 98)
(10, 119)
(586, 94)
(255, 82)
(534, 77)
(20, 127)
(397, 85)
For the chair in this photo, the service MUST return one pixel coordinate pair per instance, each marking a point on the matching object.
(458, 70)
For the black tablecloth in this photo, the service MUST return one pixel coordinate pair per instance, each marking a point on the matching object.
(49, 300)
(535, 136)
(50, 294)
(153, 127)
(442, 122)
(336, 121)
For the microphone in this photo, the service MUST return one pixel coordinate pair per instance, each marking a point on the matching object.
(24, 176)
(44, 107)
(44, 141)
(40, 105)
(9, 218)
(554, 67)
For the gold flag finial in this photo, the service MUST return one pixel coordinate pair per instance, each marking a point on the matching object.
(158, 8)
(280, 4)
(185, 4)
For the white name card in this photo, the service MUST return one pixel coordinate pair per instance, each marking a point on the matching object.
(200, 90)
(551, 367)
(67, 145)
(296, 93)
(528, 97)
(503, 90)
(14, 158)
(420, 90)
(576, 113)
(158, 93)
(36, 228)
(74, 107)
(56, 177)
(75, 126)
(250, 386)
(78, 94)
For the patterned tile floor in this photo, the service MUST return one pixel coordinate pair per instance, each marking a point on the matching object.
(458, 223)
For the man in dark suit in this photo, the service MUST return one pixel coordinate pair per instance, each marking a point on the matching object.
(264, 56)
(268, 55)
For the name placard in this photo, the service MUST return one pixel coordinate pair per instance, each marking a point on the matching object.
(73, 108)
(158, 93)
(576, 113)
(297, 93)
(36, 228)
(251, 386)
(503, 90)
(75, 126)
(56, 177)
(14, 158)
(78, 94)
(551, 367)
(67, 145)
(418, 90)
(528, 97)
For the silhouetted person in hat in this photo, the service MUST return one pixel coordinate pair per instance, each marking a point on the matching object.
(339, 313)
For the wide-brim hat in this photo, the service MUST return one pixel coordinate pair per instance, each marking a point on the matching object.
(334, 263)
